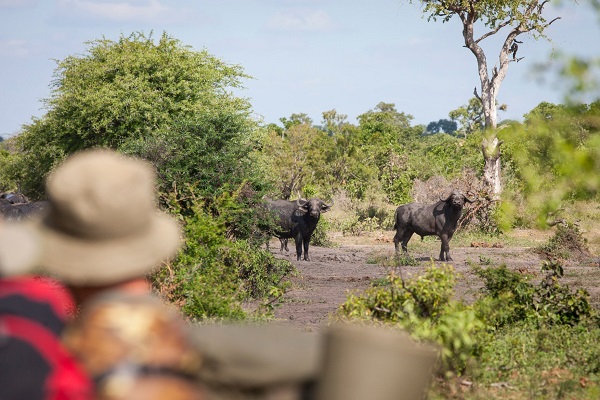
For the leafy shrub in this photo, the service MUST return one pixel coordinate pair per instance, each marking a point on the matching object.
(213, 276)
(510, 297)
(261, 273)
(554, 156)
(558, 361)
(355, 226)
(427, 293)
(557, 303)
(406, 259)
(375, 217)
(320, 236)
(567, 242)
(423, 306)
(501, 280)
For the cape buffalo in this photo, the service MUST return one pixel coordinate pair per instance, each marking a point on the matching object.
(14, 198)
(297, 219)
(438, 219)
(20, 211)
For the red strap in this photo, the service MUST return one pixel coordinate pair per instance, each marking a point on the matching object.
(67, 381)
(42, 289)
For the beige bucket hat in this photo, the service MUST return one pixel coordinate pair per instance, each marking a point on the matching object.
(19, 248)
(103, 225)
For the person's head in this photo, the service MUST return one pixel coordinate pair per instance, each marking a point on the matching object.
(103, 228)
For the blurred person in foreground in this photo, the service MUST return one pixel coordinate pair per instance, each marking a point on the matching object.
(102, 235)
(34, 364)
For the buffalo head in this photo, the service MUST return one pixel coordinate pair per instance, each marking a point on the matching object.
(314, 207)
(457, 199)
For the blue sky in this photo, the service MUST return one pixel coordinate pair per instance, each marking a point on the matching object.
(306, 56)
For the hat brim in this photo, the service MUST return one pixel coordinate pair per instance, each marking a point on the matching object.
(91, 262)
(19, 248)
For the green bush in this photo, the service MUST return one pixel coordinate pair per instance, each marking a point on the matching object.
(566, 243)
(552, 362)
(467, 334)
(554, 157)
(405, 259)
(158, 99)
(320, 236)
(355, 226)
(213, 276)
(510, 297)
(261, 274)
(423, 306)
(557, 303)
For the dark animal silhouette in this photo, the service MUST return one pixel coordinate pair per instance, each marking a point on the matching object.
(14, 198)
(438, 219)
(298, 220)
(20, 211)
(284, 244)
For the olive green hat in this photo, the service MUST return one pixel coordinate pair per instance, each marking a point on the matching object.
(103, 225)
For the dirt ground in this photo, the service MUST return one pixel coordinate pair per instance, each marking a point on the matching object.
(323, 283)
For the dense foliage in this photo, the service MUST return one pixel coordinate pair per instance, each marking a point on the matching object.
(157, 99)
(495, 335)
(553, 158)
(378, 159)
(173, 106)
(214, 277)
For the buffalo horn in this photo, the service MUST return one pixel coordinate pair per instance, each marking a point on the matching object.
(468, 199)
(300, 198)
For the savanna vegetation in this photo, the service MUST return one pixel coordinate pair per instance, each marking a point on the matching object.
(160, 100)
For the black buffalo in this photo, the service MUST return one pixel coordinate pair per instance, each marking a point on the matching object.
(13, 198)
(438, 219)
(20, 211)
(298, 220)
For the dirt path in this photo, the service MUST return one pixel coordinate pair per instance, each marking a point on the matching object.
(324, 282)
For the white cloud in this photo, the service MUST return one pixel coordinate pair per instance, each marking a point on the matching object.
(137, 10)
(14, 48)
(300, 20)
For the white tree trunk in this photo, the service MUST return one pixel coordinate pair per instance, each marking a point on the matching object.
(518, 18)
(491, 169)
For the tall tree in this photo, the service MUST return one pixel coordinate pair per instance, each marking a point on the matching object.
(384, 125)
(288, 154)
(511, 17)
(442, 125)
(470, 117)
(156, 98)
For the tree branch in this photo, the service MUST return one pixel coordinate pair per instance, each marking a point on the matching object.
(541, 6)
(554, 20)
(493, 32)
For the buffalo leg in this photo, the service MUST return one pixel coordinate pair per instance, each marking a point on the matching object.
(306, 242)
(398, 238)
(284, 244)
(405, 238)
(298, 240)
(445, 249)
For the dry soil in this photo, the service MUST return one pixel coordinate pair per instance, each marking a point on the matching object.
(323, 283)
